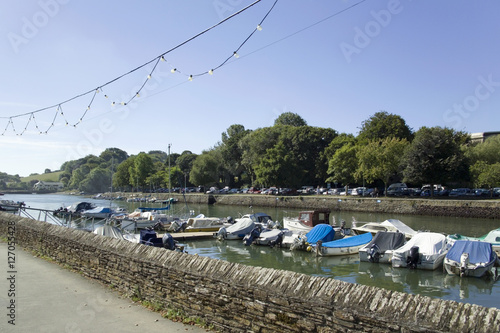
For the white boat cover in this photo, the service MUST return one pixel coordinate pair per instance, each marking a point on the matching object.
(400, 226)
(109, 231)
(202, 222)
(242, 227)
(429, 243)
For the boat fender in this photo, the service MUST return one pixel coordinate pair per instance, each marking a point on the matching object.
(412, 259)
(374, 253)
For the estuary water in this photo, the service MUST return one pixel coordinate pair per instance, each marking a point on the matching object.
(436, 284)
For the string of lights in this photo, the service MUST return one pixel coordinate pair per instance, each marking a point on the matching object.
(156, 60)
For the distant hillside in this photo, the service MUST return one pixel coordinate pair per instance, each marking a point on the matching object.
(46, 177)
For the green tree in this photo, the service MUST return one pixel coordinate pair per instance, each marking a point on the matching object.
(384, 125)
(342, 166)
(436, 156)
(98, 180)
(185, 161)
(290, 119)
(121, 177)
(231, 151)
(141, 170)
(380, 159)
(76, 178)
(205, 170)
(114, 154)
(278, 168)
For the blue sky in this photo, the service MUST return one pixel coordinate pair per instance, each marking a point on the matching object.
(432, 63)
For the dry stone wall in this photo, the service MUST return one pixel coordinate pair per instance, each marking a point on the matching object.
(239, 298)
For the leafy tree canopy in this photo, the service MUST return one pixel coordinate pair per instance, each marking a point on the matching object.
(291, 119)
(384, 125)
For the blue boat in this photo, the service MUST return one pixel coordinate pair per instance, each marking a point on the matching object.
(320, 233)
(471, 258)
(344, 246)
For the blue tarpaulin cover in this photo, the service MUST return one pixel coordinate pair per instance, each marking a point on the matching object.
(479, 252)
(321, 232)
(350, 241)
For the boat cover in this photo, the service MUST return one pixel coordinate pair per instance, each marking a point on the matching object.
(99, 210)
(203, 222)
(428, 243)
(387, 240)
(479, 252)
(109, 231)
(350, 241)
(243, 226)
(400, 226)
(321, 232)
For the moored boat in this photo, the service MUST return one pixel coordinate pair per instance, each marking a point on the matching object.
(425, 250)
(320, 233)
(344, 246)
(393, 225)
(381, 247)
(471, 258)
(492, 237)
(238, 230)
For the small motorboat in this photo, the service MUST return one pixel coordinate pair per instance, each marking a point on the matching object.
(388, 225)
(381, 247)
(492, 237)
(344, 246)
(425, 250)
(238, 230)
(98, 212)
(471, 258)
(321, 232)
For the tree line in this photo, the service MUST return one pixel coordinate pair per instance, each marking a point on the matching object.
(292, 154)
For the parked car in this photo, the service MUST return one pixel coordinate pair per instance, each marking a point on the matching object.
(481, 192)
(397, 189)
(460, 192)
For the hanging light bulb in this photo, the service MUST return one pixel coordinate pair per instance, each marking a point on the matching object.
(259, 27)
(236, 55)
(137, 94)
(106, 96)
(211, 71)
(123, 103)
(112, 103)
(162, 58)
(173, 70)
(190, 78)
(149, 76)
(88, 107)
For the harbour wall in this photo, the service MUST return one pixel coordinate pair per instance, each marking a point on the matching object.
(489, 209)
(238, 298)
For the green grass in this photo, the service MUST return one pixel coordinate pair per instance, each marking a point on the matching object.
(46, 177)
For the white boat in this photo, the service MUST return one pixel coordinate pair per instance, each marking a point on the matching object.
(98, 212)
(9, 205)
(307, 220)
(238, 230)
(344, 246)
(492, 237)
(202, 223)
(261, 218)
(271, 237)
(471, 258)
(425, 250)
(388, 225)
(381, 247)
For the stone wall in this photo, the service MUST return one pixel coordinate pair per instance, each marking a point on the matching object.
(239, 298)
(414, 206)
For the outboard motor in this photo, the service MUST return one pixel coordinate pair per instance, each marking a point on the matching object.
(374, 253)
(278, 241)
(464, 262)
(412, 259)
(230, 219)
(250, 237)
(221, 234)
(168, 242)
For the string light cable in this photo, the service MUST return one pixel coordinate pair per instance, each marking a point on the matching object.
(155, 60)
